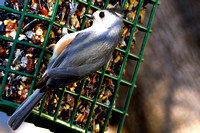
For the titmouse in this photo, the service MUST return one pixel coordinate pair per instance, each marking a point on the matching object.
(76, 56)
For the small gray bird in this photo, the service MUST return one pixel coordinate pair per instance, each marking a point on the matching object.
(76, 56)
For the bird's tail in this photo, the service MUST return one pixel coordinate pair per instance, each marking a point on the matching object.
(25, 109)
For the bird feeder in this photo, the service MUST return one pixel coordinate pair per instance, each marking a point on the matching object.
(28, 31)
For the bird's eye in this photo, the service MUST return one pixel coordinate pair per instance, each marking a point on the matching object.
(101, 14)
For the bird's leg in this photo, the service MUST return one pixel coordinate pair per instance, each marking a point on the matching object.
(73, 7)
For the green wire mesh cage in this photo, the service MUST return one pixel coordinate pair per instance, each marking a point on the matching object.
(85, 106)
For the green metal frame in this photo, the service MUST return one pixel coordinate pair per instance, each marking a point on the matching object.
(6, 105)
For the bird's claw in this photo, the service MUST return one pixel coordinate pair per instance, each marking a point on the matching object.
(73, 6)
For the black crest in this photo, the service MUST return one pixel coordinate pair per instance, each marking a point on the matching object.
(120, 11)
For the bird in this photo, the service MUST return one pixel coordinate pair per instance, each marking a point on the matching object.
(76, 56)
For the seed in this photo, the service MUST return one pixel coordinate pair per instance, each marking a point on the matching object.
(30, 50)
(30, 65)
(2, 52)
(45, 11)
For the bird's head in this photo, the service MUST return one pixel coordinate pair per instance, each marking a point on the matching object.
(107, 17)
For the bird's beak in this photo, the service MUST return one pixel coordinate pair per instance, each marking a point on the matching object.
(90, 16)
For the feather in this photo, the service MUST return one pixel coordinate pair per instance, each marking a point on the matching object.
(62, 46)
(25, 109)
(117, 11)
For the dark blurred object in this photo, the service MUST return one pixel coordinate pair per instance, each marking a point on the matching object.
(167, 96)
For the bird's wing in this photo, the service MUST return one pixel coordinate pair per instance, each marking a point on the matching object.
(76, 71)
(83, 56)
(60, 46)
(59, 76)
(63, 43)
(69, 53)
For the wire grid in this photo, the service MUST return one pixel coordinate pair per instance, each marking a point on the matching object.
(119, 80)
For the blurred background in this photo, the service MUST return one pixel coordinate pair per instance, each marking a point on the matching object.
(167, 97)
